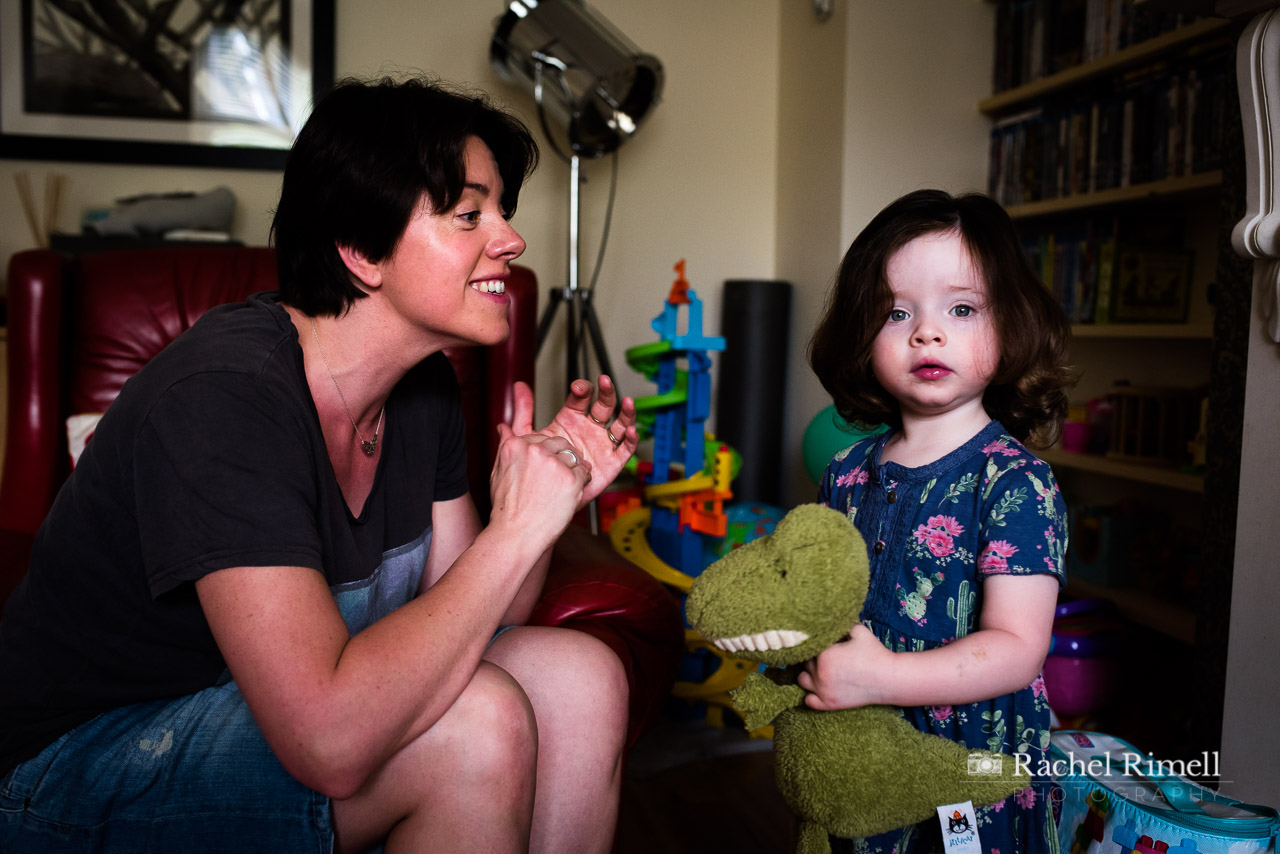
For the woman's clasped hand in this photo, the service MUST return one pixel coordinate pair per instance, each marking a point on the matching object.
(541, 478)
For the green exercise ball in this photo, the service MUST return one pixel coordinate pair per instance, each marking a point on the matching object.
(827, 434)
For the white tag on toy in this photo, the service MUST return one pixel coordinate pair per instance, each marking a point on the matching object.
(959, 829)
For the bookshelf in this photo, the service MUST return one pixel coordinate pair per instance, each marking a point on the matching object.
(1086, 72)
(1124, 145)
(1130, 331)
(1139, 607)
(1154, 475)
(1166, 188)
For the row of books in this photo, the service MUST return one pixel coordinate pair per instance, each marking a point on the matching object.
(1098, 277)
(1036, 38)
(1161, 121)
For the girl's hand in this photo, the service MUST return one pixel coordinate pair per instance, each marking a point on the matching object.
(847, 674)
(586, 425)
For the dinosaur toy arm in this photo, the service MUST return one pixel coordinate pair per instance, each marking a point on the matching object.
(759, 700)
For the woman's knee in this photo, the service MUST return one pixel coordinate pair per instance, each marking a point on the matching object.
(599, 677)
(478, 760)
(492, 726)
(574, 679)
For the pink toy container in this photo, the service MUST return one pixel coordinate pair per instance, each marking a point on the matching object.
(1081, 672)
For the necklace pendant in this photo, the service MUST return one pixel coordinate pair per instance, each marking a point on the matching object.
(369, 447)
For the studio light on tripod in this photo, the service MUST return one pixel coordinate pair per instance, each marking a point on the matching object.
(599, 88)
(583, 72)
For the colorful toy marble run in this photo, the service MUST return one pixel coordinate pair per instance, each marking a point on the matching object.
(691, 472)
(660, 526)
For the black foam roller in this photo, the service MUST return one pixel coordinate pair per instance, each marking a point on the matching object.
(753, 377)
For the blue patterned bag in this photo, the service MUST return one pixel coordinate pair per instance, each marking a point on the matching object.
(1112, 798)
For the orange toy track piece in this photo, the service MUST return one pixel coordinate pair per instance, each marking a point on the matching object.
(624, 506)
(704, 512)
(617, 502)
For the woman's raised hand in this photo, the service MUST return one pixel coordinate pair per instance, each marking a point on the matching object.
(585, 423)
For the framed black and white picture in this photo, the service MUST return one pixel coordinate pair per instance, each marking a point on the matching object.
(178, 82)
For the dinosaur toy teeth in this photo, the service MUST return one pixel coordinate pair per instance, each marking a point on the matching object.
(772, 639)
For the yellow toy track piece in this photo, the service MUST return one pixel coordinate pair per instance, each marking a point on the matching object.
(716, 687)
(627, 533)
(678, 487)
(714, 690)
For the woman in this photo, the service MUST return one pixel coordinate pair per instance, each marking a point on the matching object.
(261, 614)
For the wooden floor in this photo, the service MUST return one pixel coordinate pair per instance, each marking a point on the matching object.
(695, 789)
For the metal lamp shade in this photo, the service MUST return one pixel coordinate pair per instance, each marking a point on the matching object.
(585, 73)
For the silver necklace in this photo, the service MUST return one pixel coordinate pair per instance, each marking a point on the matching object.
(368, 446)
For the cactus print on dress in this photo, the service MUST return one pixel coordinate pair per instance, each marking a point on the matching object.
(933, 534)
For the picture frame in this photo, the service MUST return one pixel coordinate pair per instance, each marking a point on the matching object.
(217, 84)
(1151, 285)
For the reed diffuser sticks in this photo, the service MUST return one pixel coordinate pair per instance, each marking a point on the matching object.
(54, 192)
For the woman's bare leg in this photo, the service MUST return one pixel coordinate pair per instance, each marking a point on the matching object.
(578, 690)
(467, 784)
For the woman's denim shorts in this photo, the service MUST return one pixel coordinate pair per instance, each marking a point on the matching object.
(190, 775)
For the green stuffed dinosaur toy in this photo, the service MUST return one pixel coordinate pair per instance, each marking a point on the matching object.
(781, 600)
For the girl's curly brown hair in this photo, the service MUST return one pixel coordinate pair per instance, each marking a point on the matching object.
(1027, 393)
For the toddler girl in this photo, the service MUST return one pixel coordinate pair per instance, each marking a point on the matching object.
(939, 328)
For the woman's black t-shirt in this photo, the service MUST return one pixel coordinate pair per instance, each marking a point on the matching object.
(211, 457)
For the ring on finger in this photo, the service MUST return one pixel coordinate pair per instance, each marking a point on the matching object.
(612, 438)
(597, 420)
(573, 458)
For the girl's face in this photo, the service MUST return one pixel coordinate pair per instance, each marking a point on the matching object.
(937, 350)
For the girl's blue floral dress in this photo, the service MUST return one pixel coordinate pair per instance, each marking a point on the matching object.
(988, 508)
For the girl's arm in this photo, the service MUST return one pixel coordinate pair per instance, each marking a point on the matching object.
(1004, 655)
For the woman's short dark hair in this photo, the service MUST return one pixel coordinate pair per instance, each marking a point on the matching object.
(359, 169)
(1027, 393)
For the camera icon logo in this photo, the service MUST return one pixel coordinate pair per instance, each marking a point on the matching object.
(984, 765)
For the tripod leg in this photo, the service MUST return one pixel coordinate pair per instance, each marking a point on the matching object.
(548, 315)
(597, 337)
(572, 343)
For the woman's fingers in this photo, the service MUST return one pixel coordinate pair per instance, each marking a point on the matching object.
(601, 411)
(521, 408)
(556, 448)
(579, 399)
(624, 427)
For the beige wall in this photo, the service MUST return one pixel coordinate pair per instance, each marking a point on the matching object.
(809, 226)
(913, 73)
(698, 182)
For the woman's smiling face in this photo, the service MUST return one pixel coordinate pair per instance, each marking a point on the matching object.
(447, 271)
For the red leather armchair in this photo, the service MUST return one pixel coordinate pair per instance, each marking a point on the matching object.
(79, 327)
